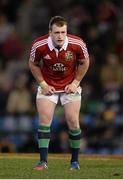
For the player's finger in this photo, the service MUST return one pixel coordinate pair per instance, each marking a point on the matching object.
(66, 88)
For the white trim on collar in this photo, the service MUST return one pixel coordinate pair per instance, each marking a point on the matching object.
(51, 46)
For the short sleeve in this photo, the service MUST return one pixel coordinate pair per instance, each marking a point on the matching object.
(34, 54)
(82, 52)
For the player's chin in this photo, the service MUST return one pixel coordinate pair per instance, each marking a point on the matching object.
(60, 43)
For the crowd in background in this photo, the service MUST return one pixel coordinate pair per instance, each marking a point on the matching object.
(100, 25)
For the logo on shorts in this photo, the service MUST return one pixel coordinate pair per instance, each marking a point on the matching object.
(68, 56)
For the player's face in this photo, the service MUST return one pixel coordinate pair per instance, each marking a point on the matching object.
(58, 35)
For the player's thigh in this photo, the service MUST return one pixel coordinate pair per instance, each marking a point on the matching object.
(72, 110)
(45, 110)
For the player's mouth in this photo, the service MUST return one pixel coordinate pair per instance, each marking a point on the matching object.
(61, 42)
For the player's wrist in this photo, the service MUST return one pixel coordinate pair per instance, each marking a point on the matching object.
(76, 82)
(43, 84)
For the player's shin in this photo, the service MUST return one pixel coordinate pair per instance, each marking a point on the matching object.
(43, 142)
(75, 140)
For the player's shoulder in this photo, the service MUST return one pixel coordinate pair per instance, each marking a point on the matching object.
(73, 37)
(76, 40)
(41, 40)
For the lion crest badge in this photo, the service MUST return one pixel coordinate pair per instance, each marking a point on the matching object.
(68, 56)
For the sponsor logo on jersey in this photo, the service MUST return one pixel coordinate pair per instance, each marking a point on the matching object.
(68, 56)
(58, 67)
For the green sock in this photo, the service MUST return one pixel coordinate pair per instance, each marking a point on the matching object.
(43, 142)
(75, 141)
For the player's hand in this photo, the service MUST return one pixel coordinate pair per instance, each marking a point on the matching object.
(72, 88)
(49, 90)
(46, 89)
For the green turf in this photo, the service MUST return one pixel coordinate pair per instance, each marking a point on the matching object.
(21, 167)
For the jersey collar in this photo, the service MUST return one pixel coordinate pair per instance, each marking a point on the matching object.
(50, 44)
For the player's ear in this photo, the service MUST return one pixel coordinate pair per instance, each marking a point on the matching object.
(49, 32)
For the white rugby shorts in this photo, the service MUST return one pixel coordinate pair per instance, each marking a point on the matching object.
(64, 98)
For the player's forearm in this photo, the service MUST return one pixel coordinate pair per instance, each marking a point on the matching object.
(35, 69)
(81, 71)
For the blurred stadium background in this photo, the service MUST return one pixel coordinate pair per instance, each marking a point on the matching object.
(100, 24)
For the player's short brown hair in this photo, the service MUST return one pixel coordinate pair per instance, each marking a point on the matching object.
(58, 20)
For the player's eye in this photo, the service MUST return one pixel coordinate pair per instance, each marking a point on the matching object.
(63, 32)
(57, 32)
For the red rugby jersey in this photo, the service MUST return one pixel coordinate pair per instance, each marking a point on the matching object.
(58, 67)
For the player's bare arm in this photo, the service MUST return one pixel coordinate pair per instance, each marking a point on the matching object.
(35, 69)
(81, 71)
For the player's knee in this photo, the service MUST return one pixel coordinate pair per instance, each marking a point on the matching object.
(45, 119)
(73, 123)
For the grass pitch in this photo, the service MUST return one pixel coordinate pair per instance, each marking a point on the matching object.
(20, 166)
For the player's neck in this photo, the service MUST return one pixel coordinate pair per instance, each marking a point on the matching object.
(58, 47)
